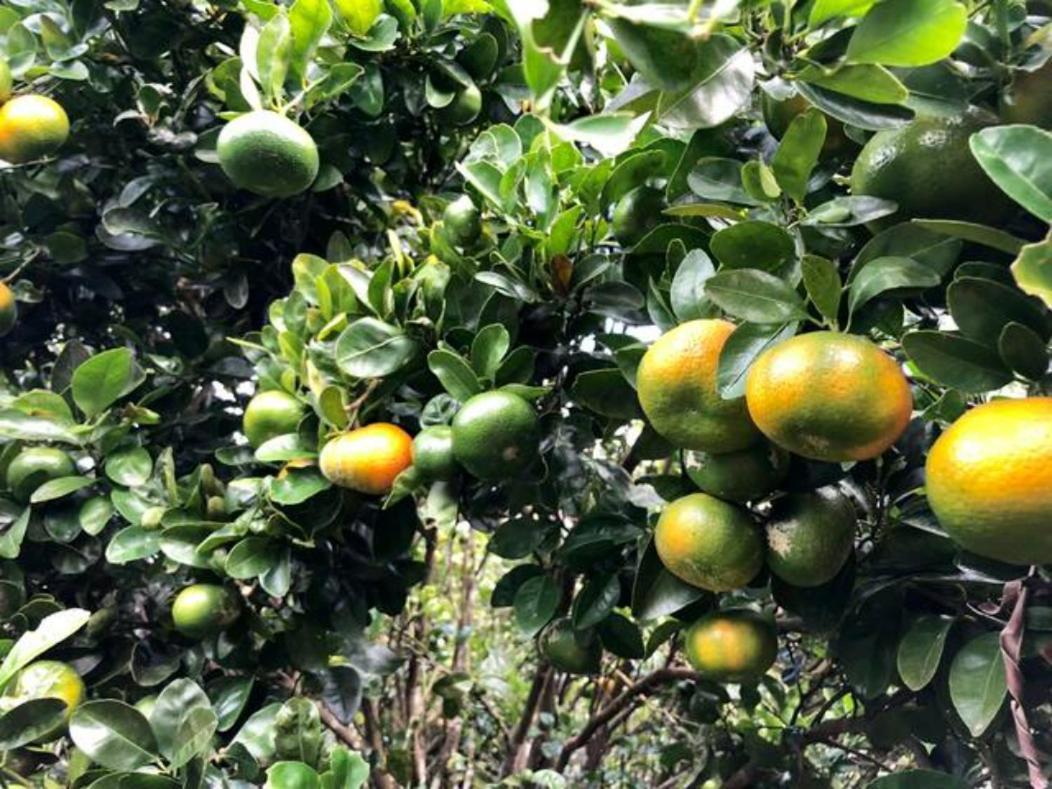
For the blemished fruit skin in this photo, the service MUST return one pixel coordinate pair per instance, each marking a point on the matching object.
(746, 475)
(34, 466)
(433, 453)
(31, 126)
(1029, 99)
(709, 543)
(810, 536)
(676, 385)
(636, 214)
(568, 651)
(203, 610)
(736, 645)
(495, 435)
(48, 679)
(829, 396)
(989, 480)
(462, 221)
(270, 414)
(367, 460)
(268, 154)
(778, 114)
(8, 310)
(928, 169)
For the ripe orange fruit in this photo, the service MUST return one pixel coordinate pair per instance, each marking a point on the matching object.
(829, 396)
(8, 310)
(709, 543)
(676, 383)
(736, 645)
(203, 610)
(31, 126)
(810, 536)
(367, 459)
(48, 679)
(989, 480)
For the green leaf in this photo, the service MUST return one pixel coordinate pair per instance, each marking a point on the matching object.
(273, 51)
(866, 115)
(129, 467)
(454, 373)
(753, 244)
(718, 179)
(746, 343)
(1019, 160)
(1023, 351)
(755, 296)
(53, 629)
(57, 488)
(183, 722)
(920, 649)
(359, 15)
(849, 211)
(867, 82)
(347, 770)
(798, 153)
(296, 485)
(14, 534)
(981, 308)
(606, 392)
(657, 592)
(977, 682)
(251, 557)
(309, 21)
(687, 294)
(1032, 271)
(955, 361)
(94, 514)
(970, 231)
(113, 734)
(30, 720)
(823, 285)
(595, 601)
(229, 695)
(370, 348)
(292, 775)
(104, 378)
(131, 544)
(518, 538)
(936, 251)
(759, 183)
(621, 637)
(18, 426)
(536, 602)
(488, 349)
(918, 779)
(908, 32)
(718, 88)
(890, 273)
(825, 10)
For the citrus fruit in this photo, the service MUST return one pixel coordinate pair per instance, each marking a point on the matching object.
(433, 453)
(462, 221)
(464, 108)
(928, 169)
(271, 414)
(268, 154)
(736, 645)
(5, 80)
(1029, 100)
(829, 396)
(48, 679)
(495, 435)
(8, 310)
(741, 476)
(709, 543)
(203, 610)
(676, 383)
(810, 536)
(31, 126)
(989, 480)
(636, 214)
(570, 651)
(779, 113)
(368, 459)
(34, 466)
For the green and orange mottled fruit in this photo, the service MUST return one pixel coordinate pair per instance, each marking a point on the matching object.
(495, 435)
(31, 126)
(829, 396)
(271, 414)
(810, 536)
(736, 645)
(367, 460)
(433, 453)
(676, 384)
(48, 679)
(745, 475)
(204, 610)
(989, 480)
(570, 651)
(709, 543)
(268, 154)
(34, 466)
(8, 310)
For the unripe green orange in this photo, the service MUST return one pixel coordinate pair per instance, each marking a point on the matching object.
(204, 610)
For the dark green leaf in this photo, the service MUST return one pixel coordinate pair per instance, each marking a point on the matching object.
(1019, 160)
(920, 649)
(595, 601)
(977, 682)
(114, 734)
(822, 281)
(454, 373)
(753, 244)
(952, 360)
(370, 348)
(536, 602)
(746, 343)
(105, 378)
(890, 273)
(1023, 351)
(798, 153)
(755, 296)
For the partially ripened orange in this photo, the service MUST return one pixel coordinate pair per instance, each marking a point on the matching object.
(31, 126)
(736, 645)
(368, 459)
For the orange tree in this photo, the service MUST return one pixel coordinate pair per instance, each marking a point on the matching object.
(477, 392)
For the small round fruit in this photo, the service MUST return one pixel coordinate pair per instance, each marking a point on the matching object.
(746, 475)
(495, 435)
(709, 543)
(48, 679)
(676, 383)
(433, 453)
(927, 168)
(989, 480)
(810, 536)
(829, 396)
(636, 214)
(31, 126)
(368, 459)
(8, 310)
(569, 650)
(268, 154)
(1029, 100)
(34, 466)
(204, 610)
(732, 645)
(462, 221)
(464, 108)
(271, 414)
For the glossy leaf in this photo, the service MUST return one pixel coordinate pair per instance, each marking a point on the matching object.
(908, 32)
(105, 378)
(114, 734)
(956, 361)
(1019, 160)
(755, 296)
(977, 682)
(920, 650)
